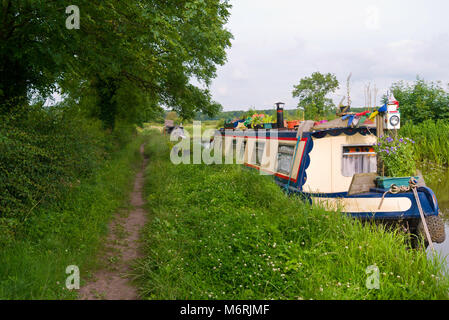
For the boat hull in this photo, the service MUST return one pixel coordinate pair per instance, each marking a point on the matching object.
(370, 205)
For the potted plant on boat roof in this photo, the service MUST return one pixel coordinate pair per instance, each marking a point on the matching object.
(247, 122)
(256, 121)
(228, 124)
(396, 153)
(268, 122)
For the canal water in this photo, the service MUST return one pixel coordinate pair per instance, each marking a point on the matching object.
(437, 179)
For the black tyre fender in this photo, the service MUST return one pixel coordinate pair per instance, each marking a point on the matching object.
(436, 229)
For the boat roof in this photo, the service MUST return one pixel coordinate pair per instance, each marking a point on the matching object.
(332, 125)
(340, 124)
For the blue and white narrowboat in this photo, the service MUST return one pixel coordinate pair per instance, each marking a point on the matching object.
(332, 165)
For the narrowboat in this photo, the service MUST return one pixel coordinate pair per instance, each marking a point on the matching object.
(333, 165)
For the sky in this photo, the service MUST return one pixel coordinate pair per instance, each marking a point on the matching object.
(278, 42)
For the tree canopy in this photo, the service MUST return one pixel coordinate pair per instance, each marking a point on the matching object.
(421, 100)
(131, 57)
(312, 93)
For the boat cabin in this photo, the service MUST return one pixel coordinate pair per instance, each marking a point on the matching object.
(325, 162)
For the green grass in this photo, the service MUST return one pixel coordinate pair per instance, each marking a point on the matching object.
(205, 125)
(432, 141)
(225, 232)
(67, 232)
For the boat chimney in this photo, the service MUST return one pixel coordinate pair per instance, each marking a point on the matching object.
(280, 114)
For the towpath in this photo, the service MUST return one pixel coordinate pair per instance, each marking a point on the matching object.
(121, 248)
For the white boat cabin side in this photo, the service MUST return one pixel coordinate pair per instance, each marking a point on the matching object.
(333, 160)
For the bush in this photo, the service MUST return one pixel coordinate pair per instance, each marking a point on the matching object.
(422, 101)
(67, 232)
(397, 155)
(432, 140)
(44, 152)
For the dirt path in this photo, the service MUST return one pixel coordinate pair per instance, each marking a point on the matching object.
(121, 248)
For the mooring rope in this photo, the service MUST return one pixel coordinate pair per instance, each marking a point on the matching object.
(412, 186)
(394, 189)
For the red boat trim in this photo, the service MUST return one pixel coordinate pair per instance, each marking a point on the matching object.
(256, 137)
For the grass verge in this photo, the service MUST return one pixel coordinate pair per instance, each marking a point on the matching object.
(224, 232)
(67, 233)
(432, 141)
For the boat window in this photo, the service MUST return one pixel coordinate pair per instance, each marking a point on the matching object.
(358, 159)
(242, 151)
(260, 146)
(234, 146)
(218, 142)
(284, 157)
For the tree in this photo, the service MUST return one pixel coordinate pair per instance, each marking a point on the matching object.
(34, 48)
(151, 48)
(421, 100)
(171, 116)
(312, 92)
(159, 46)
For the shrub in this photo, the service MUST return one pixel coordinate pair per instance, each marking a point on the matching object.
(432, 140)
(45, 151)
(397, 156)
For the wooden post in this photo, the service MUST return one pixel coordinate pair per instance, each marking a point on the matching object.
(395, 133)
(380, 132)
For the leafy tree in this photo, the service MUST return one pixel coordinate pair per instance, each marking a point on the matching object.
(171, 116)
(421, 100)
(312, 92)
(159, 46)
(34, 48)
(148, 49)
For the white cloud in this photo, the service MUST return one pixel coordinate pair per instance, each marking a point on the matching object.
(372, 21)
(279, 42)
(222, 90)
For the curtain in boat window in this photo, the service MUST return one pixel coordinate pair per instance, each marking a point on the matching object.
(358, 159)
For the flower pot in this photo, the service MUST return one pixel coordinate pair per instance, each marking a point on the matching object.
(292, 124)
(387, 182)
(267, 126)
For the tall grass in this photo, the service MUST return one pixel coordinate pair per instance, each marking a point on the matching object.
(432, 140)
(224, 232)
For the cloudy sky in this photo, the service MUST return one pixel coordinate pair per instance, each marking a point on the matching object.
(277, 42)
